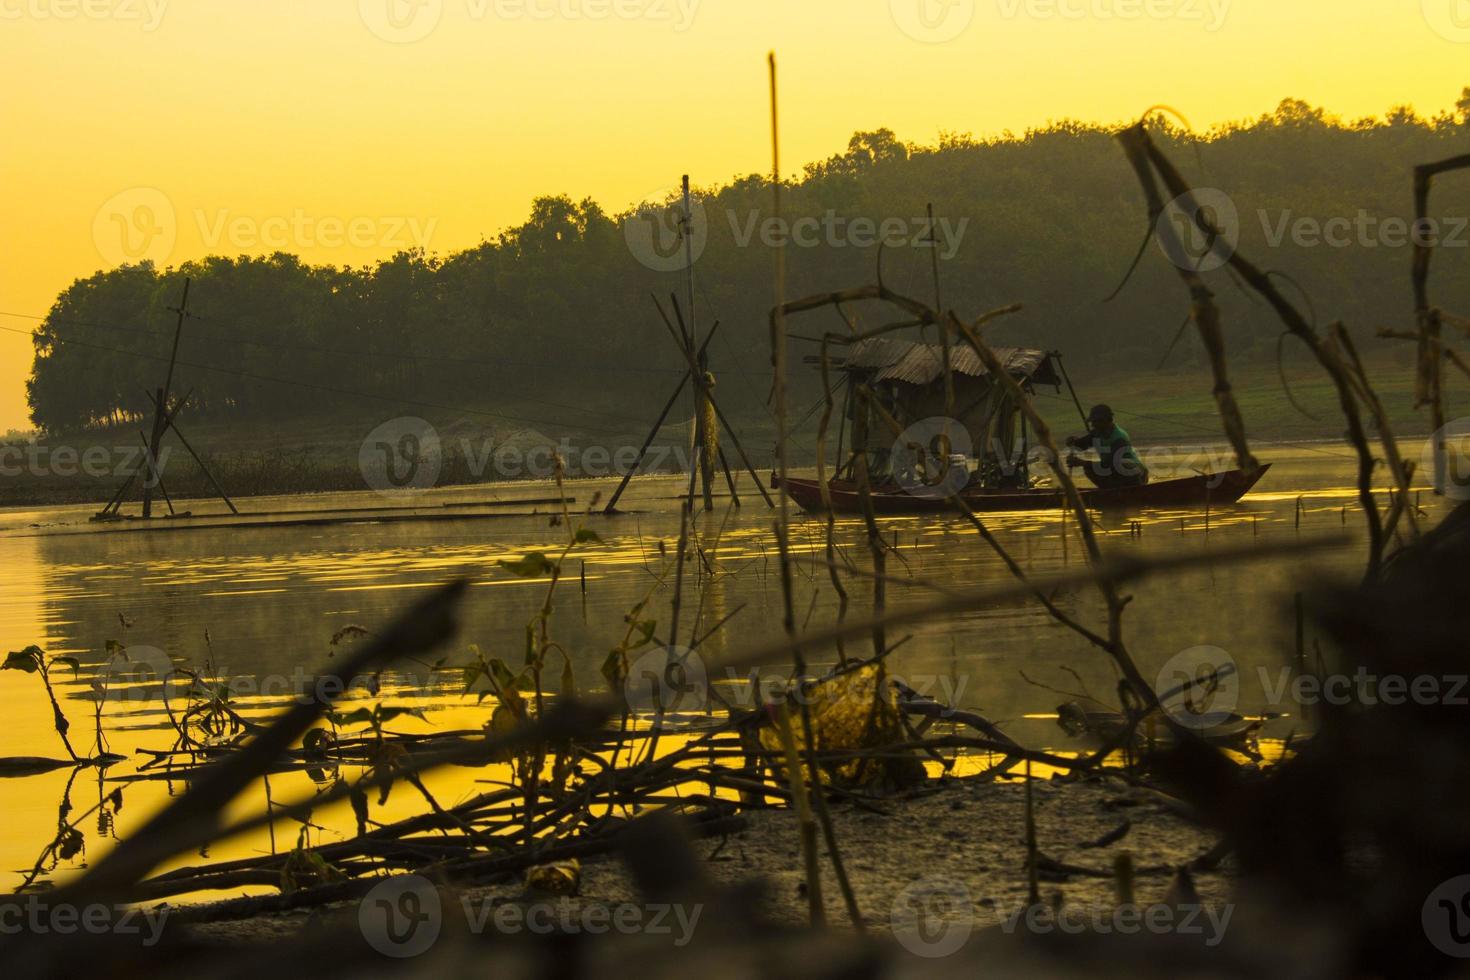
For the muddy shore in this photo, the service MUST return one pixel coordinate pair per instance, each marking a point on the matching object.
(962, 838)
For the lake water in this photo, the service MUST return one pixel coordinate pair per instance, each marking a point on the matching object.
(269, 599)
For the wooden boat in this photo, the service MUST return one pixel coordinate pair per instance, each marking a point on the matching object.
(1188, 492)
(973, 420)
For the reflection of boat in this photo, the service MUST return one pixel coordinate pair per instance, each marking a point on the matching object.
(970, 440)
(1190, 491)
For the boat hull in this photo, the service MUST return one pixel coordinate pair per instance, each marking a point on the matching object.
(1187, 492)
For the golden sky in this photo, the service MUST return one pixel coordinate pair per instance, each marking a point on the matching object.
(345, 129)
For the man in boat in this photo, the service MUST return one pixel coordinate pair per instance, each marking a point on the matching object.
(1118, 465)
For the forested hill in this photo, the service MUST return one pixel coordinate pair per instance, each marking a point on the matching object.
(553, 319)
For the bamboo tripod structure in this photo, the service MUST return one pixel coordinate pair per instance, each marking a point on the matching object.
(696, 359)
(164, 416)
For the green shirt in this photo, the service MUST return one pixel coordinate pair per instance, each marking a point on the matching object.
(1116, 452)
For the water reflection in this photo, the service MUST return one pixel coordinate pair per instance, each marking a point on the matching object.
(260, 606)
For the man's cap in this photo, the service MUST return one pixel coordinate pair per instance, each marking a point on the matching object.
(1100, 413)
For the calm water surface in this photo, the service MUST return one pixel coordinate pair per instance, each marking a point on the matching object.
(268, 599)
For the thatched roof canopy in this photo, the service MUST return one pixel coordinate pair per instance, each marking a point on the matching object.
(890, 359)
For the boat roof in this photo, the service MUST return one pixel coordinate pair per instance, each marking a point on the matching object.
(913, 363)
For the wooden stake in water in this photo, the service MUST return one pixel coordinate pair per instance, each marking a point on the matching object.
(1301, 636)
(1123, 874)
(1033, 881)
(805, 823)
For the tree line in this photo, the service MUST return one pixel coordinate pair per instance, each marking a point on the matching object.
(551, 323)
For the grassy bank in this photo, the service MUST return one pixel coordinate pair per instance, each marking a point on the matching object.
(491, 444)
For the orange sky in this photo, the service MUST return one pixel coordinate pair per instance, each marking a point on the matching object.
(345, 129)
